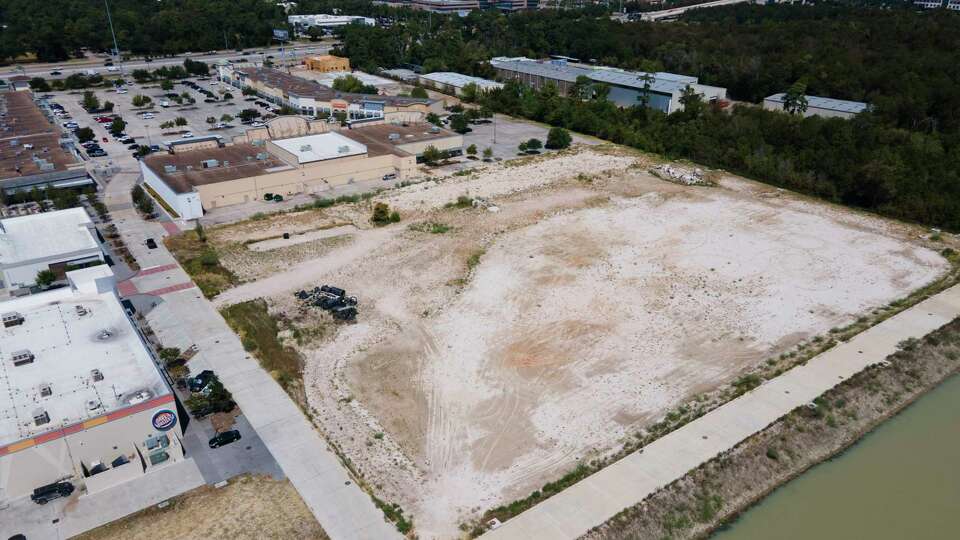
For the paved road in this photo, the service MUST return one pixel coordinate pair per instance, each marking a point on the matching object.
(256, 55)
(598, 498)
(676, 12)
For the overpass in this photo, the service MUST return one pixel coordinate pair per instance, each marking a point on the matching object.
(673, 13)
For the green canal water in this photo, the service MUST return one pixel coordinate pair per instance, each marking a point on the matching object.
(900, 482)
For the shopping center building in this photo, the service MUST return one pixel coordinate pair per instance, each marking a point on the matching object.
(81, 397)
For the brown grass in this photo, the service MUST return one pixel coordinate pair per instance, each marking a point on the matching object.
(250, 507)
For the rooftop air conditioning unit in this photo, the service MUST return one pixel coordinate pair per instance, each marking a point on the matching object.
(306, 148)
(169, 169)
(40, 417)
(343, 149)
(46, 166)
(12, 318)
(46, 390)
(22, 357)
(262, 156)
(210, 164)
(96, 375)
(81, 311)
(93, 405)
(394, 136)
(226, 163)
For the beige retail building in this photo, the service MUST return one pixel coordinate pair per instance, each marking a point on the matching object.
(288, 156)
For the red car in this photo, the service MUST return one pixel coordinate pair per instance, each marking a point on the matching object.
(105, 139)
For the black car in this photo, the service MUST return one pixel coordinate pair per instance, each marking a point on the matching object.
(49, 492)
(225, 438)
(96, 153)
(151, 243)
(196, 384)
(133, 147)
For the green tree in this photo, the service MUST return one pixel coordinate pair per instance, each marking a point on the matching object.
(166, 85)
(795, 99)
(246, 115)
(39, 84)
(381, 214)
(211, 120)
(534, 145)
(692, 102)
(431, 156)
(90, 101)
(85, 134)
(350, 83)
(45, 278)
(180, 121)
(558, 138)
(470, 92)
(458, 123)
(487, 153)
(141, 100)
(118, 125)
(419, 92)
(108, 106)
(434, 119)
(522, 147)
(472, 150)
(226, 118)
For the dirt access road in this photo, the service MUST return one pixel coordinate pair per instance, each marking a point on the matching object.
(493, 356)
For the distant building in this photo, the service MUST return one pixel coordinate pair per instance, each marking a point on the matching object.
(453, 83)
(20, 82)
(405, 75)
(33, 152)
(82, 399)
(59, 241)
(291, 155)
(314, 99)
(302, 23)
(819, 106)
(327, 63)
(660, 90)
(953, 5)
(462, 7)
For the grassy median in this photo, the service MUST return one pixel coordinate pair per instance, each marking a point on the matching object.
(201, 261)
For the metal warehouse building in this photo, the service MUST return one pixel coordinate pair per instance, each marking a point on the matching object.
(819, 106)
(82, 399)
(453, 83)
(663, 90)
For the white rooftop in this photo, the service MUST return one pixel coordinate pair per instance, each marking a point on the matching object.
(44, 235)
(459, 80)
(321, 147)
(72, 331)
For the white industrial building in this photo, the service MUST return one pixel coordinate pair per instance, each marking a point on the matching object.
(453, 83)
(57, 241)
(82, 398)
(819, 106)
(302, 23)
(660, 90)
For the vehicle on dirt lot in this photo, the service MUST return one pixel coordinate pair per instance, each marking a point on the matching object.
(49, 492)
(224, 438)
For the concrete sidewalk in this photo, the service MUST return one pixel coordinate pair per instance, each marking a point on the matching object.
(627, 482)
(342, 508)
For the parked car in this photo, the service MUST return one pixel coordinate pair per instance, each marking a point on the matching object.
(113, 69)
(56, 72)
(196, 384)
(187, 135)
(49, 492)
(224, 438)
(154, 147)
(121, 90)
(96, 153)
(133, 147)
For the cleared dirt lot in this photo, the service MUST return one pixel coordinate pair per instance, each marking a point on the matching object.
(492, 358)
(250, 507)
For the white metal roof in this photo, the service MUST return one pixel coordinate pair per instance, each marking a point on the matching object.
(321, 147)
(45, 235)
(72, 331)
(826, 103)
(459, 80)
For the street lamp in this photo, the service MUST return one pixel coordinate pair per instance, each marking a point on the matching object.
(116, 49)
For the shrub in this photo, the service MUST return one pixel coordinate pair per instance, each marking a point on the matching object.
(558, 138)
(382, 215)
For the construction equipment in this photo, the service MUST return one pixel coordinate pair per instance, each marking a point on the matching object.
(332, 299)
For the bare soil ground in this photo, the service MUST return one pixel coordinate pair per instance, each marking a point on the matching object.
(249, 507)
(492, 358)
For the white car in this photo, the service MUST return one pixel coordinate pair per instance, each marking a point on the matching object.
(113, 69)
(214, 83)
(164, 103)
(147, 116)
(187, 135)
(121, 90)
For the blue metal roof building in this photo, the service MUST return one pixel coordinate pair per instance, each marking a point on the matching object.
(820, 106)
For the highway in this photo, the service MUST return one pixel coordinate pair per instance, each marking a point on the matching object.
(673, 13)
(294, 52)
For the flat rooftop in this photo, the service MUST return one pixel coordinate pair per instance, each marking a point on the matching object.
(840, 105)
(297, 86)
(378, 139)
(71, 332)
(233, 162)
(321, 147)
(44, 235)
(26, 137)
(459, 80)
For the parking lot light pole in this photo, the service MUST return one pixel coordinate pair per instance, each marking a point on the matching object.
(116, 49)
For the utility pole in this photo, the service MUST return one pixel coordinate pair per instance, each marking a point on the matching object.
(116, 48)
